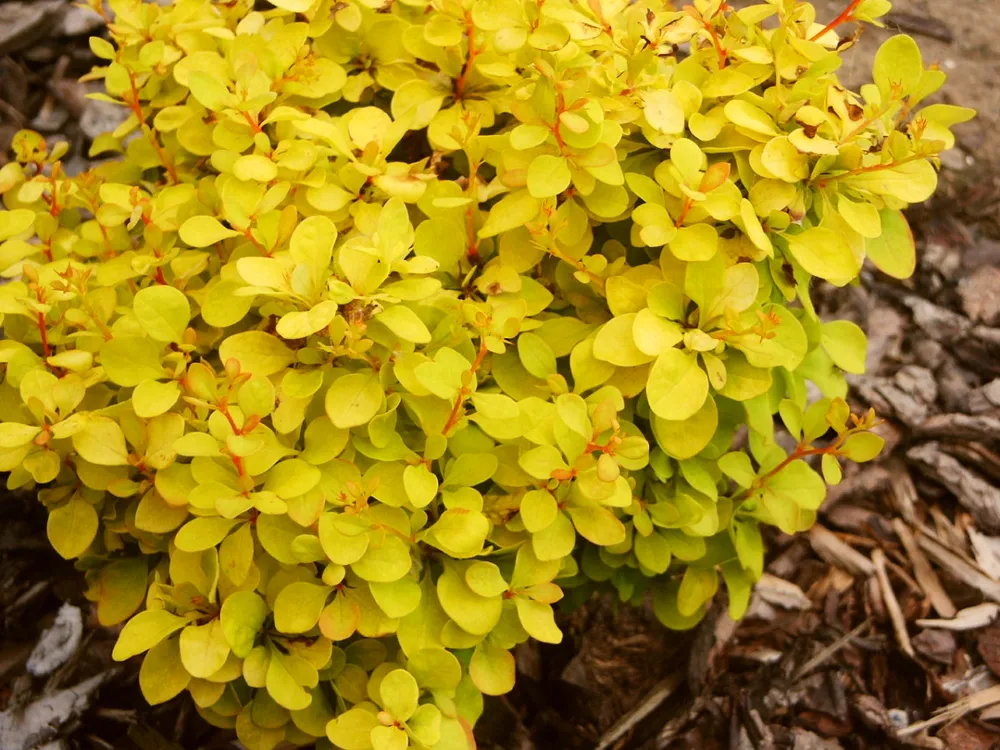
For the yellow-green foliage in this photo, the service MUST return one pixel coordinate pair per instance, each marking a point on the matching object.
(397, 320)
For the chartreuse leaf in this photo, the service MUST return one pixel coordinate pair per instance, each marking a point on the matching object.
(144, 631)
(473, 613)
(353, 399)
(824, 253)
(257, 352)
(202, 231)
(163, 312)
(846, 344)
(399, 693)
(243, 613)
(329, 418)
(162, 676)
(298, 606)
(492, 669)
(677, 387)
(893, 251)
(204, 648)
(352, 730)
(72, 527)
(122, 590)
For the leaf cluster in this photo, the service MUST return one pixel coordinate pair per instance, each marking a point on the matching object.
(394, 325)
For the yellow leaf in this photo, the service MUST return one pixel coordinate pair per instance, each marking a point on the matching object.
(72, 527)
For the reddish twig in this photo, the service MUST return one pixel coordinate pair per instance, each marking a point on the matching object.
(470, 30)
(844, 17)
(873, 168)
(464, 391)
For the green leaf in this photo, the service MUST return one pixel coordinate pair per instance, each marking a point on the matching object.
(204, 649)
(893, 252)
(101, 441)
(538, 510)
(492, 669)
(694, 243)
(460, 532)
(739, 586)
(352, 730)
(399, 693)
(129, 360)
(698, 586)
(538, 619)
(354, 399)
(403, 322)
(846, 344)
(298, 606)
(824, 253)
(72, 527)
(202, 231)
(663, 111)
(677, 387)
(536, 355)
(242, 616)
(616, 344)
(653, 552)
(863, 446)
(793, 489)
(687, 437)
(512, 211)
(597, 525)
(384, 561)
(258, 353)
(144, 631)
(202, 533)
(665, 597)
(548, 176)
(473, 613)
(122, 590)
(898, 63)
(163, 312)
(209, 92)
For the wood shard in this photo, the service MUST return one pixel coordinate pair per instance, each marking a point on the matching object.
(925, 575)
(828, 546)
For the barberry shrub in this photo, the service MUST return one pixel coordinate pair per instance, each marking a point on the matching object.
(394, 323)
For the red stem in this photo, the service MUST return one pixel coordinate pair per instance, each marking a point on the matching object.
(844, 17)
(457, 408)
(470, 30)
(43, 330)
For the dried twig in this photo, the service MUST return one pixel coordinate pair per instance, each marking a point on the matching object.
(830, 650)
(926, 577)
(656, 697)
(892, 604)
(955, 711)
(834, 551)
(970, 618)
(960, 568)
